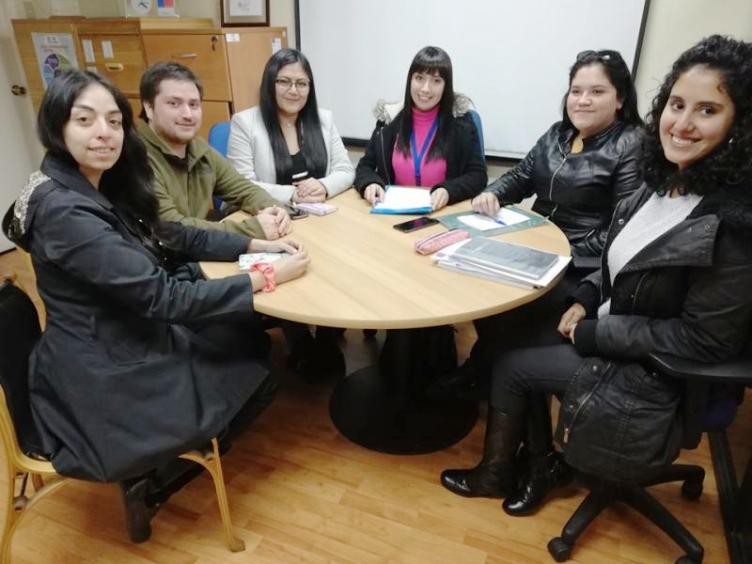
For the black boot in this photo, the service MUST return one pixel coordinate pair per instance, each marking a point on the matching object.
(495, 476)
(547, 472)
(452, 384)
(547, 468)
(138, 513)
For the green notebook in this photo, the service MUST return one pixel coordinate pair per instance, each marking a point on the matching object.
(452, 221)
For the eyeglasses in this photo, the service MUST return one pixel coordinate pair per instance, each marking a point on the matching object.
(604, 56)
(286, 84)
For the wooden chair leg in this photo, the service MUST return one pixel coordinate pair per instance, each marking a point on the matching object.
(10, 519)
(213, 464)
(14, 513)
(38, 482)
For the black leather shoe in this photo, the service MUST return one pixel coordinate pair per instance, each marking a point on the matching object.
(138, 513)
(460, 381)
(478, 482)
(547, 474)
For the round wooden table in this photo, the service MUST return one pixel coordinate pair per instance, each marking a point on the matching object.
(366, 275)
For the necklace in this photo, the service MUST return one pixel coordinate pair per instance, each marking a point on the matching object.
(577, 145)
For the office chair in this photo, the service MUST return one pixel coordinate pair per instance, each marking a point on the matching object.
(219, 136)
(475, 116)
(700, 413)
(19, 331)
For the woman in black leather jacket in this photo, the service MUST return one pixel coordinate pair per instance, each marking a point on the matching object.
(578, 170)
(674, 279)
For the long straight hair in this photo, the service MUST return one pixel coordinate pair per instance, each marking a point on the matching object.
(429, 60)
(307, 125)
(128, 184)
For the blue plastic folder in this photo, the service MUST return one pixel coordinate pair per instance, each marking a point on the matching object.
(404, 200)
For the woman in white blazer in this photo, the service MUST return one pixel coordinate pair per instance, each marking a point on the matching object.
(286, 144)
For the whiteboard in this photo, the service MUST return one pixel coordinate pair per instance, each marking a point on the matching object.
(511, 58)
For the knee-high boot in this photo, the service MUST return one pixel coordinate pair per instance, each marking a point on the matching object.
(547, 467)
(495, 476)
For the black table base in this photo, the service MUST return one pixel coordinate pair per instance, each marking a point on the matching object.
(377, 412)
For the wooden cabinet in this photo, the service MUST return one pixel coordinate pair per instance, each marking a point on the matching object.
(205, 54)
(229, 62)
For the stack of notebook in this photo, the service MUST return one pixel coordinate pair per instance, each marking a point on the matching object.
(502, 262)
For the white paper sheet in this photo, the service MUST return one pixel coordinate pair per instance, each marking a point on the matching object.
(401, 198)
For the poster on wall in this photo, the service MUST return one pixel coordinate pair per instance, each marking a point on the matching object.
(55, 53)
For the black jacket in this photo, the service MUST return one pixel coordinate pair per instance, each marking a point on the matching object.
(466, 174)
(577, 192)
(118, 383)
(685, 294)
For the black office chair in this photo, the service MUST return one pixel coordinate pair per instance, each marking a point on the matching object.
(701, 412)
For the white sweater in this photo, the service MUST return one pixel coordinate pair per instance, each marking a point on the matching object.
(250, 152)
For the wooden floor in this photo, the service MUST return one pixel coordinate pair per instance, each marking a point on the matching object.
(301, 492)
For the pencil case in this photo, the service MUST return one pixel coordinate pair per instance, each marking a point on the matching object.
(316, 208)
(432, 243)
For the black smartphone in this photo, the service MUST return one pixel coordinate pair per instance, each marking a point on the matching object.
(415, 224)
(296, 213)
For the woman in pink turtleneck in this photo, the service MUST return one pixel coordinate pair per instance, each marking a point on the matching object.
(431, 142)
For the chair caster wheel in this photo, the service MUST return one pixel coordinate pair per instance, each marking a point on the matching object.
(687, 560)
(559, 549)
(691, 490)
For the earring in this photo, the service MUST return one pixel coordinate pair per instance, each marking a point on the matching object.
(731, 141)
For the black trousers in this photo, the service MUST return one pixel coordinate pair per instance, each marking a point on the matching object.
(521, 380)
(531, 325)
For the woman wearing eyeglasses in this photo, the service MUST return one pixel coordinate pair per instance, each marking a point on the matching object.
(287, 144)
(291, 148)
(674, 279)
(578, 171)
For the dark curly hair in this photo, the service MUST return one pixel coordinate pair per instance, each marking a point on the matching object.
(729, 164)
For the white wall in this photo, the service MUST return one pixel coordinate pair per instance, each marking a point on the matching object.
(675, 25)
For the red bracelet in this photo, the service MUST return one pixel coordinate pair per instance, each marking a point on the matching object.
(267, 270)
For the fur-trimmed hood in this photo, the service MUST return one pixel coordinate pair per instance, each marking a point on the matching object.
(732, 204)
(387, 111)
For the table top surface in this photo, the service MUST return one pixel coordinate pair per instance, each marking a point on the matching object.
(366, 275)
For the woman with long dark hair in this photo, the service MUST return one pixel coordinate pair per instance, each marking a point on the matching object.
(287, 144)
(674, 279)
(429, 140)
(142, 358)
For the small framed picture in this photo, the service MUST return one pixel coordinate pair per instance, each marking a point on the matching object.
(245, 13)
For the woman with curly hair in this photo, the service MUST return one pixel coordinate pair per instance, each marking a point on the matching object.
(674, 279)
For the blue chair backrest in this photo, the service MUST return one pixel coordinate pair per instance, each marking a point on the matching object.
(219, 135)
(475, 116)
